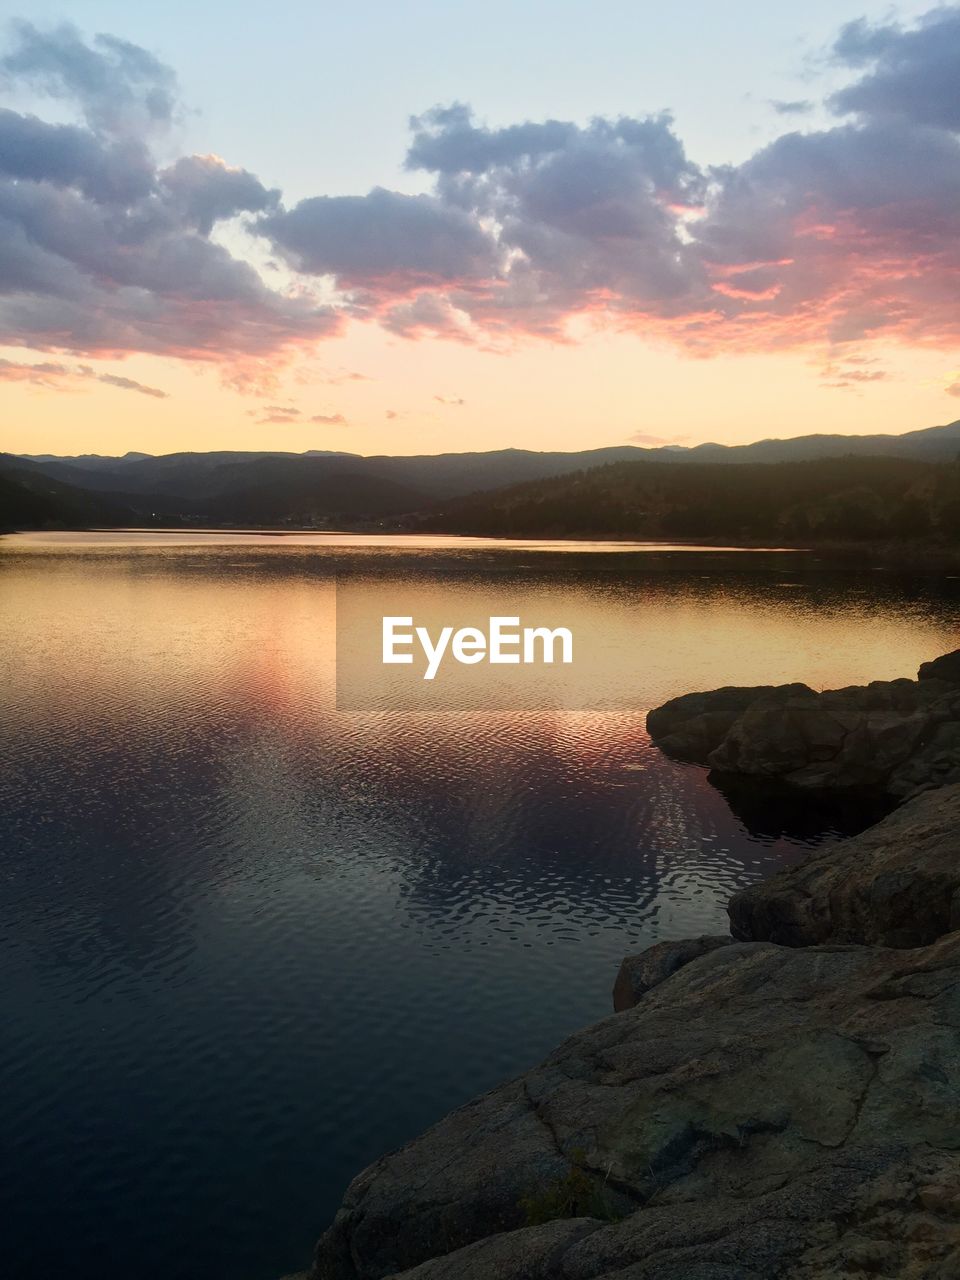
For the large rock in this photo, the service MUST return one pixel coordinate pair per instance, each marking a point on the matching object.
(902, 1222)
(764, 1111)
(640, 973)
(694, 724)
(894, 737)
(897, 885)
(533, 1253)
(946, 667)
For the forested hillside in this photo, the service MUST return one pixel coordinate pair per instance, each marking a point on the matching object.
(830, 499)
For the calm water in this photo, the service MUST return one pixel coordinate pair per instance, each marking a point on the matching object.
(249, 941)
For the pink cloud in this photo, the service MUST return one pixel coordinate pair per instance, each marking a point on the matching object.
(62, 377)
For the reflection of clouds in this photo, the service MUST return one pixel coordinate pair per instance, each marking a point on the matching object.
(227, 905)
(173, 718)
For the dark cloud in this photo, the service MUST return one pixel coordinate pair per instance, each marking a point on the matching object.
(446, 140)
(100, 252)
(910, 73)
(83, 277)
(330, 419)
(587, 216)
(526, 225)
(69, 156)
(205, 190)
(121, 88)
(382, 237)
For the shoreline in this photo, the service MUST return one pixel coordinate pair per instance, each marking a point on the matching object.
(920, 557)
(777, 1101)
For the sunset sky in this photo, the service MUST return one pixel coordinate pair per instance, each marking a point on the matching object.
(418, 227)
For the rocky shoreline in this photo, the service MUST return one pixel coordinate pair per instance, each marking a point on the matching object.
(782, 1102)
(896, 737)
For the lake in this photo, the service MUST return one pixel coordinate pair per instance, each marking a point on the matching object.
(251, 941)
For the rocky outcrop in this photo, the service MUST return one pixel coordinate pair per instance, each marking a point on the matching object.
(757, 1111)
(695, 724)
(640, 973)
(901, 1221)
(897, 885)
(898, 737)
(763, 1112)
(945, 668)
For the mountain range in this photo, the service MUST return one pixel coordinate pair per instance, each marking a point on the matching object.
(324, 489)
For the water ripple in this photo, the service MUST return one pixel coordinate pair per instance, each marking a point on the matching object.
(249, 942)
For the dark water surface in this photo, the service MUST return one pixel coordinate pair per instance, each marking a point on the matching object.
(249, 942)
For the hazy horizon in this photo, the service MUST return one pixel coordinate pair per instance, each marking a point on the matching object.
(46, 453)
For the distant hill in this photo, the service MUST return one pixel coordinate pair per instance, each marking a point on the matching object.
(824, 499)
(307, 492)
(31, 500)
(317, 489)
(272, 494)
(934, 444)
(204, 476)
(447, 475)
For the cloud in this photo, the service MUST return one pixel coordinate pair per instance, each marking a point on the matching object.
(128, 384)
(447, 140)
(844, 375)
(823, 239)
(275, 414)
(205, 190)
(428, 314)
(795, 107)
(283, 414)
(643, 438)
(382, 238)
(108, 172)
(910, 74)
(120, 88)
(52, 375)
(451, 402)
(342, 377)
(526, 226)
(953, 389)
(835, 236)
(102, 253)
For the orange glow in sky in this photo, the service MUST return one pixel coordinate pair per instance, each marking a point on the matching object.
(522, 278)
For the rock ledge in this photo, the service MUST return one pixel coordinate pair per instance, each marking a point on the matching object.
(760, 1111)
(899, 737)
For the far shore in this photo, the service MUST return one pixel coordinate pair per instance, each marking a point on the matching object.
(923, 557)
